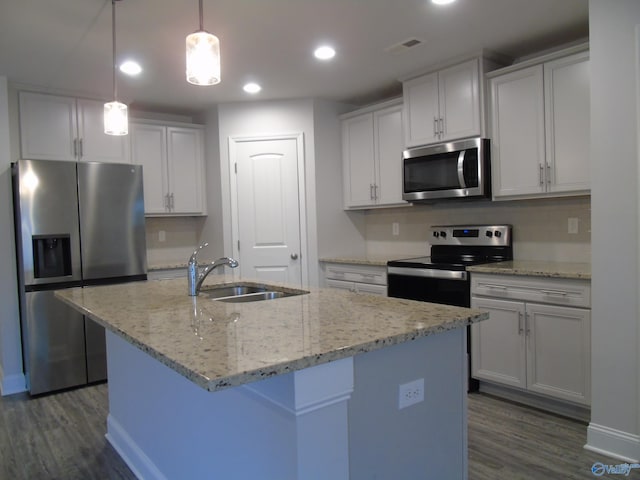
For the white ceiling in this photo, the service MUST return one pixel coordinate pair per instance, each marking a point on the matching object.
(65, 45)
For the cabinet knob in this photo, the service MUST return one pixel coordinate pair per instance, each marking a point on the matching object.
(294, 256)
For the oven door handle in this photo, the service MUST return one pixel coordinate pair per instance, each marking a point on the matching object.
(461, 169)
(428, 273)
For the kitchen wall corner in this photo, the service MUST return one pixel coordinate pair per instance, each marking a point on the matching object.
(11, 375)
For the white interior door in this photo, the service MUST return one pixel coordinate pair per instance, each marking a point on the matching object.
(268, 209)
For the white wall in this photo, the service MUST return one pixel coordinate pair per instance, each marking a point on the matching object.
(339, 233)
(539, 227)
(11, 376)
(287, 117)
(614, 426)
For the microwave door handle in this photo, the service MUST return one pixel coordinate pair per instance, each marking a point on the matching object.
(461, 169)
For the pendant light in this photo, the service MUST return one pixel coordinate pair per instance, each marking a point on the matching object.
(203, 57)
(115, 113)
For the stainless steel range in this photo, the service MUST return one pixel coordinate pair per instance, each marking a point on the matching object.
(442, 277)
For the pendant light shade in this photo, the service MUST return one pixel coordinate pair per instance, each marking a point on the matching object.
(116, 121)
(203, 57)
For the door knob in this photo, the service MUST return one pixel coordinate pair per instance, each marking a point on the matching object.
(294, 256)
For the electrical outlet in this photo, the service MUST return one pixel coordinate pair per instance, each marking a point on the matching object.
(572, 225)
(410, 393)
(395, 228)
(162, 236)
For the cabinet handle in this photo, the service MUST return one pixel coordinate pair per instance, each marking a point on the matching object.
(81, 154)
(526, 324)
(520, 325)
(541, 174)
(441, 126)
(371, 191)
(375, 191)
(435, 127)
(555, 293)
(548, 174)
(75, 147)
(166, 202)
(171, 204)
(494, 287)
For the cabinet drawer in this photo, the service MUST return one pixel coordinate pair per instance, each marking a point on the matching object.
(575, 293)
(358, 287)
(360, 274)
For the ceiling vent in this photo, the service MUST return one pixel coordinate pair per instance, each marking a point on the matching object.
(404, 46)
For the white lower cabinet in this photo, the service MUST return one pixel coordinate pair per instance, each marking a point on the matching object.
(535, 339)
(357, 278)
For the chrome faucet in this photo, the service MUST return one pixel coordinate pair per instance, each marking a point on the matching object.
(195, 277)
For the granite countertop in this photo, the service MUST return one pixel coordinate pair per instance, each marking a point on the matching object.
(168, 266)
(218, 345)
(581, 271)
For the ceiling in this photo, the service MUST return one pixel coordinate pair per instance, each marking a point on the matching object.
(65, 45)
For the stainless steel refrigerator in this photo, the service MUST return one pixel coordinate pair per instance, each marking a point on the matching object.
(77, 225)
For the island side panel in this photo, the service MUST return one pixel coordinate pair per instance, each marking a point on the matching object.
(164, 426)
(423, 441)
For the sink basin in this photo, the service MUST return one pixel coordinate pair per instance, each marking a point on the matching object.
(241, 293)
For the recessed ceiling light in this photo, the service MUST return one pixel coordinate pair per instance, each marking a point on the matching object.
(442, 2)
(130, 67)
(324, 52)
(252, 88)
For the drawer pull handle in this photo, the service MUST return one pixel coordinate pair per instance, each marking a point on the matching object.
(496, 287)
(555, 293)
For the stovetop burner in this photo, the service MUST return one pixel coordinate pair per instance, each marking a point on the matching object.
(455, 247)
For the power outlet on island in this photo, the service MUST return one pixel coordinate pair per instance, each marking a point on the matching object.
(411, 393)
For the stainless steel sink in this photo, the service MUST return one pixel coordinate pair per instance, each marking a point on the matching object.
(240, 293)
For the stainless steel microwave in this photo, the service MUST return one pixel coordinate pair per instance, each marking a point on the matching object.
(459, 169)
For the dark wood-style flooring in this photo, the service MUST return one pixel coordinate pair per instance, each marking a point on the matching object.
(61, 436)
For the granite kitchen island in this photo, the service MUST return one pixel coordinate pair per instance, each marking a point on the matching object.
(303, 387)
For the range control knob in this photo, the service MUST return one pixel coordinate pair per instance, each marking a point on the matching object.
(436, 234)
(443, 234)
(498, 233)
(489, 233)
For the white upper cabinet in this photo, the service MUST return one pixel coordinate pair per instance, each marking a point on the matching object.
(372, 157)
(173, 168)
(55, 127)
(540, 128)
(443, 105)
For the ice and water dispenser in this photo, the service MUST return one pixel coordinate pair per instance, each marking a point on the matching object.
(51, 256)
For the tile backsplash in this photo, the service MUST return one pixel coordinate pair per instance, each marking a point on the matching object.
(540, 227)
(170, 240)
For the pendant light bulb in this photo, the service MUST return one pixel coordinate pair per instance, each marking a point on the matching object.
(203, 56)
(116, 121)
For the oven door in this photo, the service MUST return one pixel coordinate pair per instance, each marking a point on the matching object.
(429, 285)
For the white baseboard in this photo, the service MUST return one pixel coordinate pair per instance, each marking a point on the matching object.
(613, 443)
(559, 407)
(141, 466)
(12, 384)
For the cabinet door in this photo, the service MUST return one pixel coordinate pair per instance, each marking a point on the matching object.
(388, 151)
(517, 119)
(48, 127)
(358, 161)
(380, 290)
(185, 160)
(498, 344)
(558, 354)
(421, 110)
(340, 284)
(149, 149)
(459, 99)
(567, 112)
(95, 145)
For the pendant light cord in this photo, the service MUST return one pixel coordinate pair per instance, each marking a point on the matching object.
(113, 36)
(201, 15)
